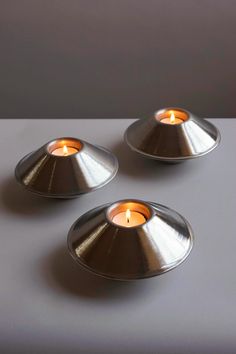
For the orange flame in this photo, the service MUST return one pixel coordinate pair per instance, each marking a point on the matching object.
(172, 118)
(128, 215)
(65, 150)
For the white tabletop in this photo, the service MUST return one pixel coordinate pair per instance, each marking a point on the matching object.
(49, 305)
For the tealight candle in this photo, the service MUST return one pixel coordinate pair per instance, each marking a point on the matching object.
(64, 151)
(64, 147)
(129, 213)
(129, 218)
(172, 119)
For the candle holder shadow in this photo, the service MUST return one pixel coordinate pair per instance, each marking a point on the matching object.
(16, 200)
(60, 273)
(127, 253)
(139, 168)
(45, 173)
(189, 138)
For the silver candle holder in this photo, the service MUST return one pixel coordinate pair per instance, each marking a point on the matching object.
(107, 242)
(172, 135)
(65, 168)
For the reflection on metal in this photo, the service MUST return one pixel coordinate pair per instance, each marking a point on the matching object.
(192, 138)
(67, 176)
(127, 253)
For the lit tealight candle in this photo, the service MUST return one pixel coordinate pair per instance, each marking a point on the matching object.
(129, 218)
(172, 120)
(64, 151)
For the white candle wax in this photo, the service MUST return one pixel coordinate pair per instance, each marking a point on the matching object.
(168, 121)
(133, 218)
(64, 151)
(172, 120)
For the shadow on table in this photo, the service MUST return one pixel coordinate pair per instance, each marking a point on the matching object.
(17, 200)
(62, 273)
(138, 167)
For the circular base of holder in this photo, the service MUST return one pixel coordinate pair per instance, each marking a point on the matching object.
(48, 175)
(169, 160)
(127, 253)
(150, 138)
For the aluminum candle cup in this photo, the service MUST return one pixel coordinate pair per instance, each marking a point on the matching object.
(66, 168)
(112, 245)
(172, 135)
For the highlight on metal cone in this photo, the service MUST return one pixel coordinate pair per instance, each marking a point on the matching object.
(103, 242)
(172, 134)
(65, 168)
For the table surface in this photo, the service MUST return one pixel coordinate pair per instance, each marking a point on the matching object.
(48, 304)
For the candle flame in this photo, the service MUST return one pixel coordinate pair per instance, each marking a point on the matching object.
(65, 150)
(128, 215)
(172, 118)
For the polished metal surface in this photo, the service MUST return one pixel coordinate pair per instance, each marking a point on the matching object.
(194, 137)
(127, 253)
(48, 175)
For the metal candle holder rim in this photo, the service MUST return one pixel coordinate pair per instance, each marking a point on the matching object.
(116, 252)
(42, 173)
(172, 143)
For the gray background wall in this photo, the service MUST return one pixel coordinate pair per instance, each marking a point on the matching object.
(116, 58)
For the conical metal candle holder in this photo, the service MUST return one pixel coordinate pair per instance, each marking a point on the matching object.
(113, 251)
(49, 175)
(152, 138)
